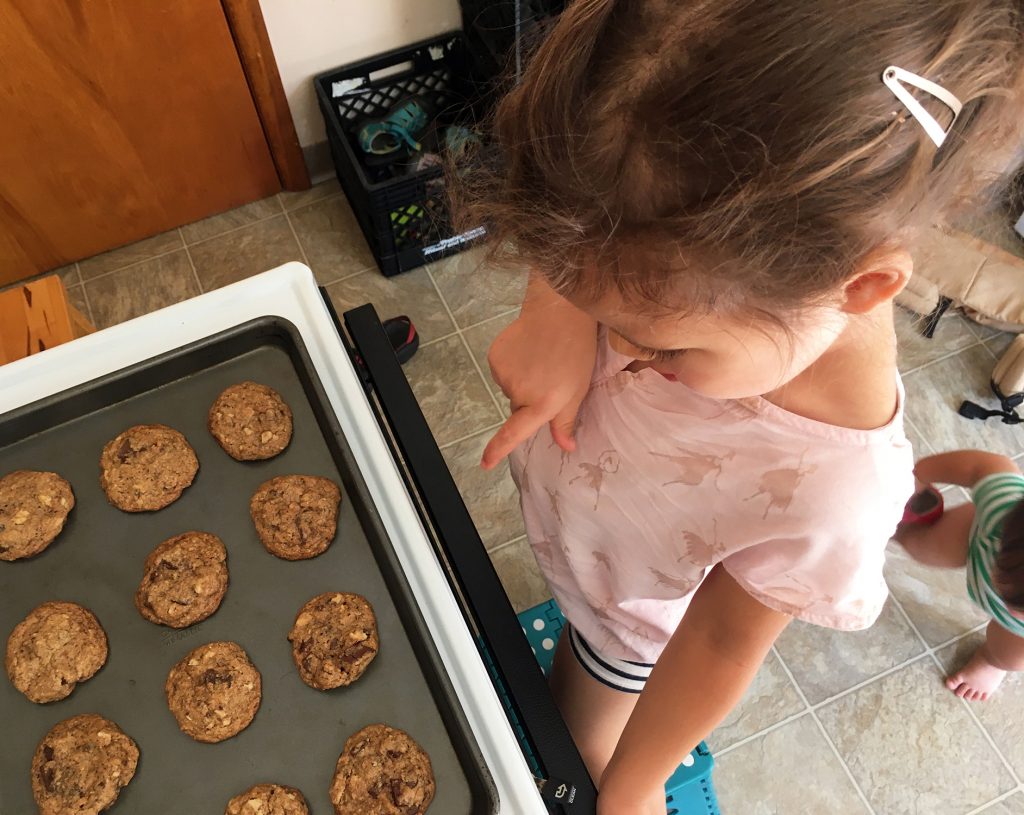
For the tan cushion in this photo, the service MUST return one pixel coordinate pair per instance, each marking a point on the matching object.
(982, 279)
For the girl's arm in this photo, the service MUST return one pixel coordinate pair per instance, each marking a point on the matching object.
(543, 363)
(702, 674)
(963, 467)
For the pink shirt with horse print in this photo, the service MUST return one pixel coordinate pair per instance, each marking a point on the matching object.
(666, 483)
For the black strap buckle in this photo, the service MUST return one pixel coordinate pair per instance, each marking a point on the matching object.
(1007, 408)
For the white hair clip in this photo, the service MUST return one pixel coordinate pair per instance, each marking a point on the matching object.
(893, 77)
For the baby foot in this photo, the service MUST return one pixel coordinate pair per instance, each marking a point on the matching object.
(977, 680)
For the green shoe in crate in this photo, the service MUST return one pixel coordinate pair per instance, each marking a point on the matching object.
(408, 224)
(401, 128)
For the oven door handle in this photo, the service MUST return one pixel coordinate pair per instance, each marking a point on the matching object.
(471, 569)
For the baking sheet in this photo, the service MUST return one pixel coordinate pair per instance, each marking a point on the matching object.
(97, 561)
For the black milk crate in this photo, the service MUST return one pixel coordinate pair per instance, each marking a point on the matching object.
(403, 213)
(500, 33)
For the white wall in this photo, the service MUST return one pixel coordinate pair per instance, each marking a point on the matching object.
(310, 36)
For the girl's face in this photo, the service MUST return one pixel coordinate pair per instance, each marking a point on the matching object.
(717, 356)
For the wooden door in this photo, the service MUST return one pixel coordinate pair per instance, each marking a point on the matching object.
(119, 119)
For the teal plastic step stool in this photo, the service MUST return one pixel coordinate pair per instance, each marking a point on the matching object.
(689, 790)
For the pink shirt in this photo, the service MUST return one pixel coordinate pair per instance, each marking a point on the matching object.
(665, 483)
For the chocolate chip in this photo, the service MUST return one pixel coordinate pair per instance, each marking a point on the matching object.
(353, 652)
(124, 451)
(212, 677)
(394, 754)
(46, 775)
(47, 752)
(396, 790)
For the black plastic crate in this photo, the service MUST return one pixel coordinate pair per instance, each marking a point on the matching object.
(499, 33)
(403, 212)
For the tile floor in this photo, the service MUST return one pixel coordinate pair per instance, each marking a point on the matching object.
(834, 723)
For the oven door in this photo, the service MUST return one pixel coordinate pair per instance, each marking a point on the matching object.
(503, 645)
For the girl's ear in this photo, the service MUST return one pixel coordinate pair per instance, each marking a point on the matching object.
(881, 277)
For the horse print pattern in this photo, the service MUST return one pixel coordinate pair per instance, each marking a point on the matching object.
(666, 485)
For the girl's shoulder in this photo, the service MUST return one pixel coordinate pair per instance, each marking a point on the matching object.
(839, 425)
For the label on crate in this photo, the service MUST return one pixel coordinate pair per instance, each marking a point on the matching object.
(455, 240)
(344, 87)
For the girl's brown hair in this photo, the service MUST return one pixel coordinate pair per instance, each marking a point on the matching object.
(736, 154)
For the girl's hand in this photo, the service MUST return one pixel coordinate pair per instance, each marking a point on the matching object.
(543, 363)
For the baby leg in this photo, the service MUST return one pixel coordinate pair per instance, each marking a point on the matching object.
(596, 714)
(1001, 653)
(944, 543)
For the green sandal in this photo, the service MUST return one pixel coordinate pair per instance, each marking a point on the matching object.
(401, 128)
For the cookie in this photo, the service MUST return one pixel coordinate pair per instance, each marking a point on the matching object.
(147, 467)
(251, 422)
(184, 580)
(54, 648)
(81, 765)
(296, 516)
(382, 771)
(268, 799)
(334, 639)
(214, 691)
(34, 507)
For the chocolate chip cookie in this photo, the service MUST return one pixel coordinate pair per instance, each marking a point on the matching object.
(296, 516)
(251, 422)
(268, 799)
(382, 771)
(34, 507)
(334, 639)
(54, 648)
(147, 467)
(184, 580)
(81, 765)
(214, 691)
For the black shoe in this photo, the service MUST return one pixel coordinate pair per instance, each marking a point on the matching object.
(404, 339)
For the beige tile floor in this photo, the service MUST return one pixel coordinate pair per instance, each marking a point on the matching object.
(834, 723)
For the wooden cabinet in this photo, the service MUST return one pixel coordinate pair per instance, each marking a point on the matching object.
(120, 119)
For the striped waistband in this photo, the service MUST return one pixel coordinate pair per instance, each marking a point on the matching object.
(620, 674)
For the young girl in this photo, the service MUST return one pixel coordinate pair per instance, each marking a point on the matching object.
(715, 200)
(987, 536)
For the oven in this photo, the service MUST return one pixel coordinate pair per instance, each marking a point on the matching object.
(455, 669)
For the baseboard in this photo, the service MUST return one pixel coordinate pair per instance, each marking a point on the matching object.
(318, 161)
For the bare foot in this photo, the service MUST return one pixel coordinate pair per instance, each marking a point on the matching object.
(977, 680)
